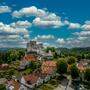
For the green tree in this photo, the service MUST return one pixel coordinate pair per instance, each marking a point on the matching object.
(55, 55)
(13, 55)
(74, 71)
(71, 60)
(50, 48)
(87, 74)
(1, 61)
(2, 87)
(62, 66)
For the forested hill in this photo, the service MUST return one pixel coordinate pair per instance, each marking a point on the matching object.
(80, 49)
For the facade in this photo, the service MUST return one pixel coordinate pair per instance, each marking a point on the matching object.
(34, 46)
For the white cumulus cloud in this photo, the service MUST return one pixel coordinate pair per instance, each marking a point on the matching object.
(5, 9)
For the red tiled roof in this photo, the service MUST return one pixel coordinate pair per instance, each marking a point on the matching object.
(49, 63)
(48, 70)
(48, 67)
(31, 79)
(30, 58)
(80, 66)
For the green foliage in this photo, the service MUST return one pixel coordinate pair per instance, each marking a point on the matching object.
(74, 71)
(11, 55)
(33, 65)
(27, 71)
(54, 82)
(7, 73)
(2, 87)
(87, 74)
(50, 48)
(71, 60)
(55, 55)
(47, 87)
(1, 61)
(79, 53)
(62, 66)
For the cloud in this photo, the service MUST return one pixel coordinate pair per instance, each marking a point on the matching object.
(4, 9)
(50, 20)
(44, 37)
(83, 33)
(42, 17)
(21, 24)
(74, 26)
(86, 26)
(60, 41)
(46, 23)
(28, 11)
(13, 36)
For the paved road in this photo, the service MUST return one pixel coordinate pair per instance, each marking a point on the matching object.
(64, 86)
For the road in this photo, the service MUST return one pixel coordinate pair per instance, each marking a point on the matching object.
(64, 86)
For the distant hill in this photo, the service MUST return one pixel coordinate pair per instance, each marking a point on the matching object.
(6, 49)
(79, 49)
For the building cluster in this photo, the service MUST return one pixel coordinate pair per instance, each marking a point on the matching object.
(38, 77)
(47, 70)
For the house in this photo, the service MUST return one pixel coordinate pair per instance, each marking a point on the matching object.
(38, 77)
(48, 56)
(23, 64)
(30, 57)
(25, 61)
(31, 80)
(81, 66)
(16, 85)
(48, 67)
(11, 85)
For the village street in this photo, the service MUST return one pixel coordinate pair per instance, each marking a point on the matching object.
(65, 85)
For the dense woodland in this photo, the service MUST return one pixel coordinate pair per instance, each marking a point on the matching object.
(9, 55)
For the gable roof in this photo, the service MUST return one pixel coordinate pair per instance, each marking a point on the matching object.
(32, 78)
(30, 57)
(49, 63)
(48, 67)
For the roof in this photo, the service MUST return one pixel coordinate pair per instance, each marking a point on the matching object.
(48, 70)
(30, 57)
(13, 83)
(49, 63)
(32, 78)
(48, 67)
(16, 85)
(81, 66)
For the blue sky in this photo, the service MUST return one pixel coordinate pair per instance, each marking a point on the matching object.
(62, 23)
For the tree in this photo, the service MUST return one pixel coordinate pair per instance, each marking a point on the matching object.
(87, 74)
(13, 55)
(62, 66)
(52, 49)
(71, 60)
(55, 55)
(2, 87)
(1, 61)
(74, 71)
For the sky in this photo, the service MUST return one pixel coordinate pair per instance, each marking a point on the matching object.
(59, 23)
